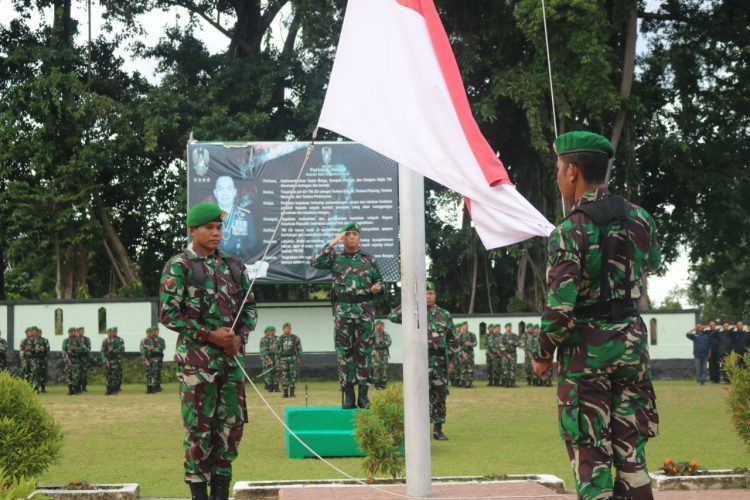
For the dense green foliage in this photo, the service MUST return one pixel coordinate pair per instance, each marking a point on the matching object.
(738, 399)
(380, 433)
(99, 151)
(30, 440)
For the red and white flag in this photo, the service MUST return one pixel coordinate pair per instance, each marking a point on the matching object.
(396, 88)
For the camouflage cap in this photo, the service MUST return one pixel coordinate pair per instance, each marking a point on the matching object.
(72, 329)
(286, 324)
(379, 322)
(429, 285)
(350, 226)
(269, 329)
(203, 213)
(581, 141)
(152, 329)
(114, 330)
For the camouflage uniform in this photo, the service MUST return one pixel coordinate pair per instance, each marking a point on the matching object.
(289, 349)
(509, 359)
(607, 405)
(525, 342)
(39, 351)
(353, 275)
(269, 356)
(71, 349)
(495, 353)
(3, 354)
(160, 346)
(150, 357)
(467, 341)
(380, 356)
(212, 390)
(441, 343)
(112, 350)
(25, 353)
(86, 361)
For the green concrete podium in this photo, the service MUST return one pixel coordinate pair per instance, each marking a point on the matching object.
(328, 430)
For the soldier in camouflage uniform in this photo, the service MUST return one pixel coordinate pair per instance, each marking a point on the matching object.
(497, 350)
(509, 359)
(25, 353)
(113, 348)
(380, 355)
(289, 351)
(86, 359)
(3, 354)
(71, 348)
(467, 341)
(147, 348)
(525, 342)
(39, 352)
(269, 355)
(202, 292)
(356, 279)
(597, 257)
(441, 343)
(160, 346)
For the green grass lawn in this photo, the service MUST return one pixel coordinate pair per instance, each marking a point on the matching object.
(135, 437)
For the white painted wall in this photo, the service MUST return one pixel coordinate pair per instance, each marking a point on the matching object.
(312, 322)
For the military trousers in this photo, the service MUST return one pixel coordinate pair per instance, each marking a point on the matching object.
(212, 404)
(605, 420)
(380, 368)
(288, 370)
(112, 374)
(438, 398)
(271, 378)
(354, 343)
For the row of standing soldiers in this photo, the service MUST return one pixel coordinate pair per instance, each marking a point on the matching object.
(75, 352)
(34, 349)
(502, 355)
(280, 357)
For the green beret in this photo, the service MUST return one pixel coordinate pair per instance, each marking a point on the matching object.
(378, 322)
(582, 141)
(508, 324)
(203, 213)
(350, 226)
(429, 285)
(151, 329)
(286, 324)
(269, 329)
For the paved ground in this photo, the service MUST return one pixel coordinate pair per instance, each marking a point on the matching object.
(483, 491)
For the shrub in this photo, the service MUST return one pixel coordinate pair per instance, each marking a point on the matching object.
(738, 398)
(30, 440)
(380, 433)
(12, 489)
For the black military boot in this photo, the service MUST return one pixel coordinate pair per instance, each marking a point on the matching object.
(199, 491)
(286, 392)
(220, 487)
(44, 389)
(362, 400)
(158, 388)
(437, 433)
(348, 403)
(291, 392)
(70, 390)
(149, 389)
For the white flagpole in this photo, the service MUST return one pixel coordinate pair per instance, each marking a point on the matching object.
(414, 323)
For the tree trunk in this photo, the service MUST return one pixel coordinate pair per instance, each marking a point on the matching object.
(58, 271)
(2, 269)
(69, 264)
(119, 253)
(473, 283)
(521, 275)
(82, 271)
(115, 265)
(628, 71)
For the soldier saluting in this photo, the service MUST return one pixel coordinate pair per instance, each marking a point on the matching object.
(356, 279)
(597, 257)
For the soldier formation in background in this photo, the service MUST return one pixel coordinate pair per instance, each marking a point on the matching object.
(380, 355)
(113, 348)
(467, 342)
(73, 353)
(269, 358)
(441, 345)
(34, 349)
(355, 281)
(712, 344)
(289, 351)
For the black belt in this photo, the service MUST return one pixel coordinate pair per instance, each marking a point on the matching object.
(613, 311)
(353, 299)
